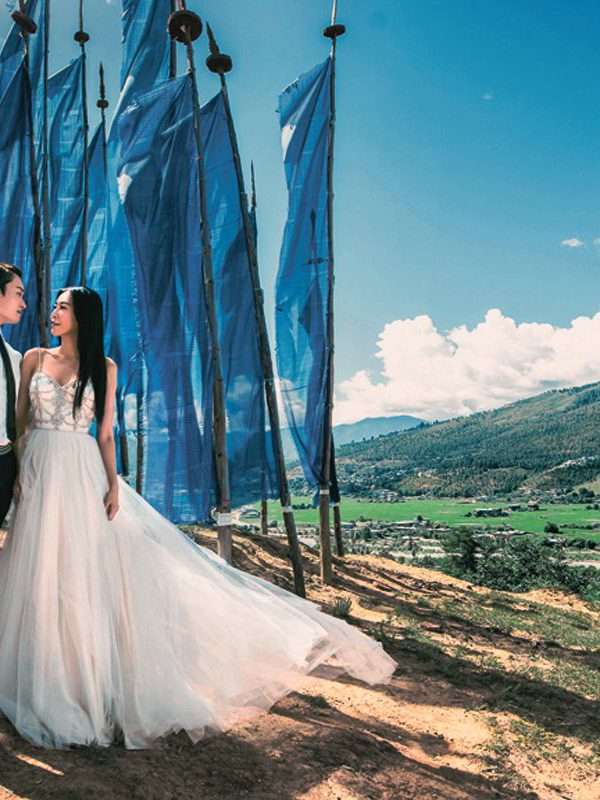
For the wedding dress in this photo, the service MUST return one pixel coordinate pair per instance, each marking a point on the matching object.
(127, 628)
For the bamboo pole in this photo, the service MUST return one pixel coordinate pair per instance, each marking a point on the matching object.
(82, 37)
(173, 49)
(102, 104)
(264, 504)
(253, 189)
(220, 64)
(337, 527)
(29, 28)
(264, 517)
(335, 504)
(331, 32)
(45, 299)
(185, 26)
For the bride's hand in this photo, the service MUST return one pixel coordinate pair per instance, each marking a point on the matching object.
(111, 502)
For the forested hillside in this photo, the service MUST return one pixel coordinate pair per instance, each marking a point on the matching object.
(550, 441)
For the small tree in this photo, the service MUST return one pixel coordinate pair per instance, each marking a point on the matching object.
(462, 547)
(551, 527)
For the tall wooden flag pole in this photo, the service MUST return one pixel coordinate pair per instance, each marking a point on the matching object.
(28, 28)
(173, 48)
(332, 31)
(42, 243)
(44, 299)
(185, 26)
(81, 37)
(102, 102)
(220, 64)
(264, 502)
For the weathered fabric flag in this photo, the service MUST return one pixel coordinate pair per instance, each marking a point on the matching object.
(16, 205)
(65, 160)
(145, 62)
(12, 51)
(97, 213)
(21, 113)
(158, 180)
(302, 280)
(250, 452)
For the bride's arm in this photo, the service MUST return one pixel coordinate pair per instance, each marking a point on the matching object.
(106, 441)
(28, 367)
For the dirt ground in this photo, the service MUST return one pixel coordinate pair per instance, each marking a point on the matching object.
(480, 707)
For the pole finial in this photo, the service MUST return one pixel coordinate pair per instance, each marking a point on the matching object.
(80, 36)
(102, 102)
(217, 62)
(333, 30)
(184, 25)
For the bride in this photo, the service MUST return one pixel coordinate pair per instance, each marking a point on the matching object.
(113, 624)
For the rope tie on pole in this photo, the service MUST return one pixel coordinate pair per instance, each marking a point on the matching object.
(23, 20)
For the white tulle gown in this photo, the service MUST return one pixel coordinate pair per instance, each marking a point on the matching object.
(127, 628)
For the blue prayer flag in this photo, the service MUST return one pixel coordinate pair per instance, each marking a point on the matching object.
(302, 281)
(252, 472)
(65, 158)
(145, 62)
(16, 205)
(158, 178)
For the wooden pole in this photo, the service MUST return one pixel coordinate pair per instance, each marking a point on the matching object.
(45, 299)
(102, 104)
(337, 516)
(264, 517)
(337, 526)
(220, 64)
(173, 49)
(82, 37)
(140, 450)
(185, 26)
(331, 32)
(28, 28)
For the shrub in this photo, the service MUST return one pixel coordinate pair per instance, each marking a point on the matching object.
(341, 607)
(517, 565)
(462, 547)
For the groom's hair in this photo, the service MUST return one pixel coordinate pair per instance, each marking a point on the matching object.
(7, 273)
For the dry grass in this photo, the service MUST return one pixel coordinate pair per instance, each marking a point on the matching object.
(496, 696)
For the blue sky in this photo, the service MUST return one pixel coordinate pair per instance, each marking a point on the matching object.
(467, 153)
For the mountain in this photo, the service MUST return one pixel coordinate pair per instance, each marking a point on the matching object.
(548, 441)
(356, 431)
(372, 426)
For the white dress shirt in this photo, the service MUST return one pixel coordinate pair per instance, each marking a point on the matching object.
(15, 360)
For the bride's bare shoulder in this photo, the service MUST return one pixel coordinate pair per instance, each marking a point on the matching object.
(33, 356)
(111, 366)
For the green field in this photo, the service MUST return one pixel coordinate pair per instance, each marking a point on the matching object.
(453, 512)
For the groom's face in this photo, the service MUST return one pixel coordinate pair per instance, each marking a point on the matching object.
(12, 302)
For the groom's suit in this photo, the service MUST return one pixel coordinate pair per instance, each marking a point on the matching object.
(9, 387)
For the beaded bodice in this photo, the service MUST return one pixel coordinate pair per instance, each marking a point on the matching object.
(52, 404)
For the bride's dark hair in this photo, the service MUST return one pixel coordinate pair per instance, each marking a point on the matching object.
(87, 307)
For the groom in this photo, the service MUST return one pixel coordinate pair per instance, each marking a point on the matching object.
(12, 305)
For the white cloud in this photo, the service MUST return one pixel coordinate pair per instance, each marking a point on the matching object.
(574, 242)
(436, 375)
(487, 96)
